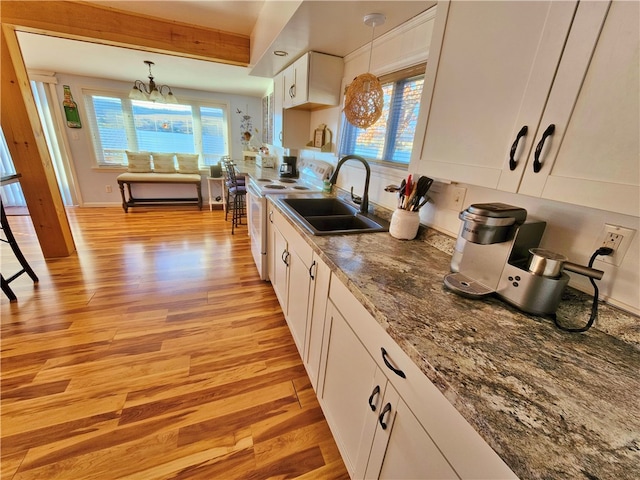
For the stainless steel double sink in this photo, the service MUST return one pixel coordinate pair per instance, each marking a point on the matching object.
(332, 216)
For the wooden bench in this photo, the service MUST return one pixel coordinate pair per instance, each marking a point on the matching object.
(161, 178)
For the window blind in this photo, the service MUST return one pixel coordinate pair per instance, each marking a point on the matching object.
(391, 137)
(118, 124)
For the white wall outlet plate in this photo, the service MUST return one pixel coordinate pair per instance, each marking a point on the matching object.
(454, 198)
(617, 237)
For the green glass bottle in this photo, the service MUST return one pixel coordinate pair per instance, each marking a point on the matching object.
(71, 109)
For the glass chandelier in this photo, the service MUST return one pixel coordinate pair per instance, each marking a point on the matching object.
(151, 92)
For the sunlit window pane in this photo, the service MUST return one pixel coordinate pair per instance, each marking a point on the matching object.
(118, 124)
(163, 128)
(391, 137)
(213, 134)
(110, 126)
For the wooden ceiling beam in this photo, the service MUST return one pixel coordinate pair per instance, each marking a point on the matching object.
(88, 22)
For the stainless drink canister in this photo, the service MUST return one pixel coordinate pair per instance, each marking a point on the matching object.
(546, 263)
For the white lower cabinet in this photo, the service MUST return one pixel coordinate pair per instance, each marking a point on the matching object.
(301, 282)
(298, 298)
(279, 274)
(318, 299)
(378, 436)
(347, 383)
(402, 448)
(389, 421)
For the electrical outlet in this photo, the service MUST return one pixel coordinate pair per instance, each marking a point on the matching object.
(612, 240)
(454, 197)
(108, 188)
(618, 239)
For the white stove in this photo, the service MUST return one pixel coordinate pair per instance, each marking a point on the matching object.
(312, 174)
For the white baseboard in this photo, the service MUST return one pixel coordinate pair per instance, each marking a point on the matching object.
(101, 204)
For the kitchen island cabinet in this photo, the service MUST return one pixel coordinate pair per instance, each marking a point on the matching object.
(546, 103)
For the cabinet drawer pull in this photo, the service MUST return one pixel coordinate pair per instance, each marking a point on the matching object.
(311, 270)
(400, 373)
(512, 161)
(537, 165)
(385, 410)
(285, 258)
(376, 391)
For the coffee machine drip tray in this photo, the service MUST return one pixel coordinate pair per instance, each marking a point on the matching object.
(465, 286)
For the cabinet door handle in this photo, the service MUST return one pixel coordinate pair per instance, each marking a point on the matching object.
(385, 410)
(271, 216)
(311, 269)
(376, 391)
(400, 373)
(537, 165)
(292, 91)
(285, 257)
(512, 161)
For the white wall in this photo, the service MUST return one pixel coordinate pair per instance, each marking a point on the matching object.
(93, 181)
(571, 230)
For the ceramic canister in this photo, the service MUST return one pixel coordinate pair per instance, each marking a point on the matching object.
(404, 224)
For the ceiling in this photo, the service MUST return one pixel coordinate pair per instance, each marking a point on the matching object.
(330, 26)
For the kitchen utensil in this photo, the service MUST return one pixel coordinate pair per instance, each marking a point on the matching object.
(411, 197)
(422, 187)
(422, 203)
(402, 190)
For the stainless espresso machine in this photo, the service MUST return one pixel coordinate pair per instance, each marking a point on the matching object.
(497, 253)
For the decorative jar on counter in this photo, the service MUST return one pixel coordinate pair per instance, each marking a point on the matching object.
(404, 224)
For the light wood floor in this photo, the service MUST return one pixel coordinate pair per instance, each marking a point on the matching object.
(154, 352)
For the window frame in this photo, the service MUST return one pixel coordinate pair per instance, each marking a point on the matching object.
(128, 119)
(392, 77)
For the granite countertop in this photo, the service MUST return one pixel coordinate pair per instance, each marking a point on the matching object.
(553, 405)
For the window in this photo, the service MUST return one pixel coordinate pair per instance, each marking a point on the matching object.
(118, 124)
(390, 139)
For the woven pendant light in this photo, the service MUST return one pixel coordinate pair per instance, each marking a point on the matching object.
(364, 98)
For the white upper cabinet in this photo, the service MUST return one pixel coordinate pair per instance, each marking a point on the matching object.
(594, 155)
(278, 105)
(501, 73)
(313, 81)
